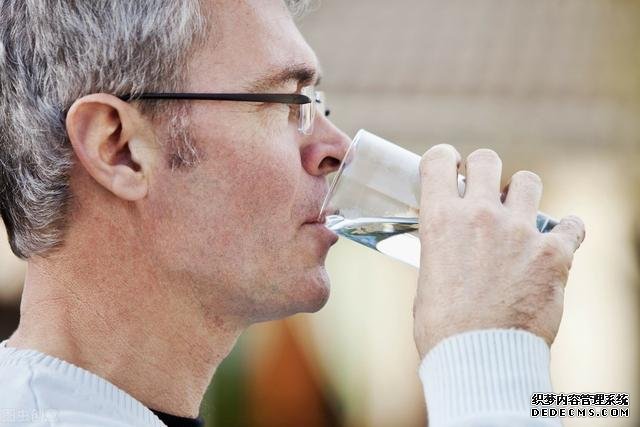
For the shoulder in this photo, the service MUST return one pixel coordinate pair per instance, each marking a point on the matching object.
(40, 390)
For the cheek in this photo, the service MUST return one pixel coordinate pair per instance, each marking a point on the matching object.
(254, 170)
(264, 184)
(236, 206)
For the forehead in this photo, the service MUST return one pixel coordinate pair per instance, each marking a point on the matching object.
(247, 40)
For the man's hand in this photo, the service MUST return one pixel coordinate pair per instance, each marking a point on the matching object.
(483, 262)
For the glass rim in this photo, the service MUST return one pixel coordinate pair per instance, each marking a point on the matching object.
(338, 173)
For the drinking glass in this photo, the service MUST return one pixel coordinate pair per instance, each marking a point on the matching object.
(374, 198)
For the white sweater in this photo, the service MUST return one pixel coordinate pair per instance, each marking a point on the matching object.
(475, 379)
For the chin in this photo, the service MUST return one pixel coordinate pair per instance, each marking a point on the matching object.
(318, 290)
(305, 295)
(315, 295)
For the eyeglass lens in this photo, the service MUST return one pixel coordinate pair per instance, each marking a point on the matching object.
(308, 111)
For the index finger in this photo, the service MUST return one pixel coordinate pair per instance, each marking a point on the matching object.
(439, 172)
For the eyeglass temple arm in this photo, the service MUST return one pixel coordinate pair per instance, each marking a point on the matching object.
(278, 98)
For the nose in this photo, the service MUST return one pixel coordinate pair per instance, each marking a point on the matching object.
(323, 150)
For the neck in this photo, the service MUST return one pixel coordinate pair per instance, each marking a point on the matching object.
(160, 347)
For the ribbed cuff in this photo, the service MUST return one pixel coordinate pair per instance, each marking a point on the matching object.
(484, 373)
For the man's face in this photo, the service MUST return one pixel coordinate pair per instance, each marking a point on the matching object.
(236, 231)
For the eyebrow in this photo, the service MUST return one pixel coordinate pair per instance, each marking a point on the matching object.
(303, 74)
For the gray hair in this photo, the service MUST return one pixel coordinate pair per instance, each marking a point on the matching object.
(54, 52)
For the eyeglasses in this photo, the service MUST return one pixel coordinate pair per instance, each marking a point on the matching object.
(309, 101)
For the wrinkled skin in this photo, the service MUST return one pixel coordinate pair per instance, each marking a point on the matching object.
(483, 262)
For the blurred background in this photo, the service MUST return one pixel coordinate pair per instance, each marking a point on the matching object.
(554, 87)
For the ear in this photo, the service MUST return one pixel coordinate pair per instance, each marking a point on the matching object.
(113, 142)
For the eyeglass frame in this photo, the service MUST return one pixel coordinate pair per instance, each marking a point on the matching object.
(306, 101)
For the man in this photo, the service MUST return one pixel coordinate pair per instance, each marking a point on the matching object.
(156, 231)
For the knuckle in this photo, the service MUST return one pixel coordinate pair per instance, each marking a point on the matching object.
(553, 252)
(483, 214)
(550, 249)
(484, 155)
(520, 231)
(576, 224)
(572, 228)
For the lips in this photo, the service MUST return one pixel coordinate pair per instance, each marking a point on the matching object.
(322, 217)
(316, 223)
(316, 219)
(322, 233)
